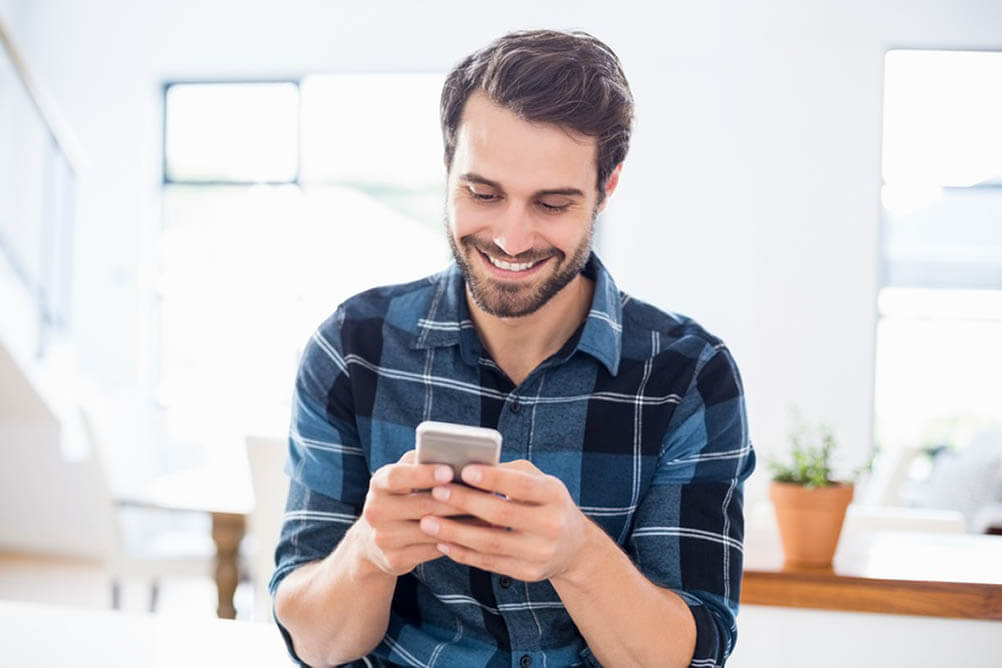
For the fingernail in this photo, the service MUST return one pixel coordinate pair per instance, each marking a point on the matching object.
(443, 474)
(472, 474)
(440, 493)
(443, 548)
(429, 525)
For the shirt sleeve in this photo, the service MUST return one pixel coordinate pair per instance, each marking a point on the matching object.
(328, 473)
(689, 527)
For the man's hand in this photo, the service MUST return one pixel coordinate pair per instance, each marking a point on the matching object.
(392, 538)
(533, 532)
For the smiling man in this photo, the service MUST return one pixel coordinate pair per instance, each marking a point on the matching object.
(611, 532)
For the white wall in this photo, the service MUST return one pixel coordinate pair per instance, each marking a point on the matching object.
(749, 201)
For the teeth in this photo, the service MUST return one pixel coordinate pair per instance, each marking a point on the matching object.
(510, 266)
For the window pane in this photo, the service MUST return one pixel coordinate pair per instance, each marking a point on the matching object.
(24, 145)
(354, 130)
(938, 357)
(232, 132)
(953, 242)
(938, 363)
(941, 117)
(246, 274)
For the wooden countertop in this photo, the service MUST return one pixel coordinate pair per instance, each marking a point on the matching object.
(896, 572)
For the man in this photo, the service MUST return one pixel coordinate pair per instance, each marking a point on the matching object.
(611, 533)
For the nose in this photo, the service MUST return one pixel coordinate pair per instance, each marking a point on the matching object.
(513, 231)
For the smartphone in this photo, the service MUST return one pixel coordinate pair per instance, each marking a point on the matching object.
(457, 445)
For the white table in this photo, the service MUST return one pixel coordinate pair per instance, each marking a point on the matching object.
(222, 491)
(41, 635)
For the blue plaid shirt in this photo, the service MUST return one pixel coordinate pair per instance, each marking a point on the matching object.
(640, 414)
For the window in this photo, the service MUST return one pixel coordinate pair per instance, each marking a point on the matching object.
(280, 200)
(37, 203)
(939, 332)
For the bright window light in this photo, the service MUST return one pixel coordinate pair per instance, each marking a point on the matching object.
(938, 358)
(941, 118)
(247, 272)
(373, 129)
(232, 132)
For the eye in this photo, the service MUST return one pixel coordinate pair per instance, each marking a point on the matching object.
(551, 208)
(482, 197)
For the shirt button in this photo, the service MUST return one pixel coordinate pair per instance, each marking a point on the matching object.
(505, 581)
(525, 661)
(515, 406)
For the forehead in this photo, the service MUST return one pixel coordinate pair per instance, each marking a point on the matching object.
(493, 142)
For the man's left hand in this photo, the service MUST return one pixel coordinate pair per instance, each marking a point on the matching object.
(531, 529)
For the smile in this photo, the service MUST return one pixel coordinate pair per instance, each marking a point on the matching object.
(509, 268)
(512, 266)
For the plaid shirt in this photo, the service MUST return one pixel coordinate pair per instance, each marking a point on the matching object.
(640, 414)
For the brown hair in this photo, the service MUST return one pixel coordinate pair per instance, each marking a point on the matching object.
(568, 79)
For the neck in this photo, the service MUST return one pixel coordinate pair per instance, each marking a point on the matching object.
(519, 345)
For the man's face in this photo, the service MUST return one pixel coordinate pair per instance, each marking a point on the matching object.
(521, 207)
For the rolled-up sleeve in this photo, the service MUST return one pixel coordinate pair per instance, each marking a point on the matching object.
(328, 473)
(689, 527)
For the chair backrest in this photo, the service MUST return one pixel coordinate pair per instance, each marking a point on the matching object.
(266, 456)
(52, 502)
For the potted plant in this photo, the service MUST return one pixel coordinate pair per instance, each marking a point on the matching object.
(810, 505)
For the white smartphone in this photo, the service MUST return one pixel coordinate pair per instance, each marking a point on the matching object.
(457, 445)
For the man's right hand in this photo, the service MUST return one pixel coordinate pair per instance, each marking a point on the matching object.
(398, 498)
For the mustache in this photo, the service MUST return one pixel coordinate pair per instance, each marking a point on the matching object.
(495, 251)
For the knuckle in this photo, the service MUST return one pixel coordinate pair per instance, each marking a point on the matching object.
(491, 544)
(372, 511)
(504, 515)
(550, 526)
(380, 479)
(553, 485)
(393, 477)
(525, 487)
(429, 506)
(380, 538)
(396, 563)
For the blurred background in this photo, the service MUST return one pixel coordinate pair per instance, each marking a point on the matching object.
(188, 188)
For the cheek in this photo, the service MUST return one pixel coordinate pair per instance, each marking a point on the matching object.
(566, 236)
(468, 219)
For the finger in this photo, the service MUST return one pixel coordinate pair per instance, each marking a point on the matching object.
(412, 506)
(491, 563)
(404, 561)
(521, 465)
(486, 540)
(513, 483)
(489, 507)
(403, 478)
(409, 457)
(399, 535)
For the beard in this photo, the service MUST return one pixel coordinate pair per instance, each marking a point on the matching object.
(516, 299)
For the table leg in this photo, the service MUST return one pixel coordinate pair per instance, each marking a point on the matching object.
(227, 532)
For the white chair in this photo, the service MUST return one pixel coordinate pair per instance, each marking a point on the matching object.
(266, 456)
(139, 551)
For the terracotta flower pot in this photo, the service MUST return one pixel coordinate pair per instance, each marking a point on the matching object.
(810, 520)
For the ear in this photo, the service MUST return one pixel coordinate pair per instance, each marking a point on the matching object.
(610, 186)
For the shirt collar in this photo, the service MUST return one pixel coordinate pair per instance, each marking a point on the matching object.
(446, 320)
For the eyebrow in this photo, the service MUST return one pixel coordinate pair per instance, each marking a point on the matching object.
(476, 178)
